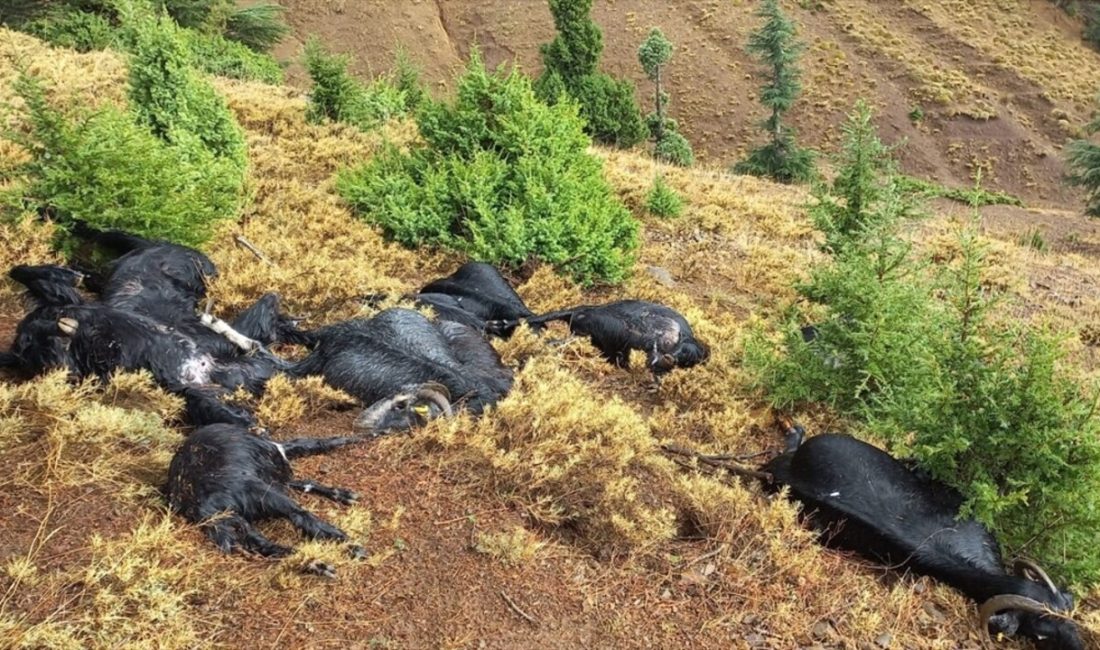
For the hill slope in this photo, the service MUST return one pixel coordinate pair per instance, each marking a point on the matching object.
(465, 528)
(1001, 84)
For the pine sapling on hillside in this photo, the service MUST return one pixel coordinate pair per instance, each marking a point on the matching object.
(669, 145)
(571, 63)
(1084, 164)
(776, 46)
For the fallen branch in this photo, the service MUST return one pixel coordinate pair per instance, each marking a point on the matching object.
(251, 248)
(515, 608)
(712, 461)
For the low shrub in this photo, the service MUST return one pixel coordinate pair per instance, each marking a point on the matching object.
(663, 201)
(337, 96)
(106, 169)
(220, 56)
(66, 26)
(502, 177)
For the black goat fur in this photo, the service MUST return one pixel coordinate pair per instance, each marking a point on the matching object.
(864, 500)
(227, 479)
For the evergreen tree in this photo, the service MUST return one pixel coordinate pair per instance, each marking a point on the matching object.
(669, 145)
(1084, 164)
(776, 46)
(570, 62)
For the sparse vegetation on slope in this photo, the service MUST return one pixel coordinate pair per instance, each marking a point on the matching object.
(737, 568)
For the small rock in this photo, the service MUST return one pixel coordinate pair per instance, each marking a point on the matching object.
(823, 630)
(661, 275)
(666, 594)
(709, 569)
(750, 619)
(755, 640)
(883, 640)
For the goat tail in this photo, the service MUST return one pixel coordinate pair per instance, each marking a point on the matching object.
(312, 364)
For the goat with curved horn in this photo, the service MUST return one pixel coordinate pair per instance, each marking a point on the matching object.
(864, 500)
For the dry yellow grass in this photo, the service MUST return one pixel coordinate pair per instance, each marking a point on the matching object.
(575, 446)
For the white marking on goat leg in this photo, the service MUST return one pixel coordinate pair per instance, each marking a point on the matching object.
(282, 451)
(834, 494)
(225, 329)
(307, 487)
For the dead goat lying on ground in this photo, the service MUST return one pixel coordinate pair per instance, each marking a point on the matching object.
(226, 479)
(617, 328)
(374, 358)
(475, 295)
(864, 500)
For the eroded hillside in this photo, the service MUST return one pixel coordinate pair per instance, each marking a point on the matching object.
(966, 83)
(558, 505)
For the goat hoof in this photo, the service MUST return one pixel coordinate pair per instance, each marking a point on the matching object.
(346, 497)
(319, 568)
(68, 326)
(357, 552)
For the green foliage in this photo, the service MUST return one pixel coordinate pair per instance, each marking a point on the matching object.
(406, 78)
(570, 65)
(220, 56)
(975, 196)
(1007, 426)
(104, 168)
(776, 46)
(654, 52)
(922, 361)
(1083, 158)
(502, 177)
(1089, 11)
(668, 144)
(849, 207)
(173, 101)
(780, 160)
(259, 27)
(673, 148)
(66, 26)
(575, 51)
(337, 96)
(662, 200)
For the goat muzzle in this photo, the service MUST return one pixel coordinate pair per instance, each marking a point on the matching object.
(1011, 601)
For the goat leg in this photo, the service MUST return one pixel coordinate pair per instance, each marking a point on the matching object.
(281, 505)
(299, 447)
(339, 495)
(225, 329)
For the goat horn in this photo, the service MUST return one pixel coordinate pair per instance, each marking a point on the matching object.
(1009, 601)
(1023, 565)
(438, 394)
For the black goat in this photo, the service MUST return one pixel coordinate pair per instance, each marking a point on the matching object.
(155, 278)
(479, 289)
(374, 358)
(619, 327)
(864, 500)
(476, 295)
(226, 478)
(39, 345)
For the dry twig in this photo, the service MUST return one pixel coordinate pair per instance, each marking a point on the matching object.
(515, 608)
